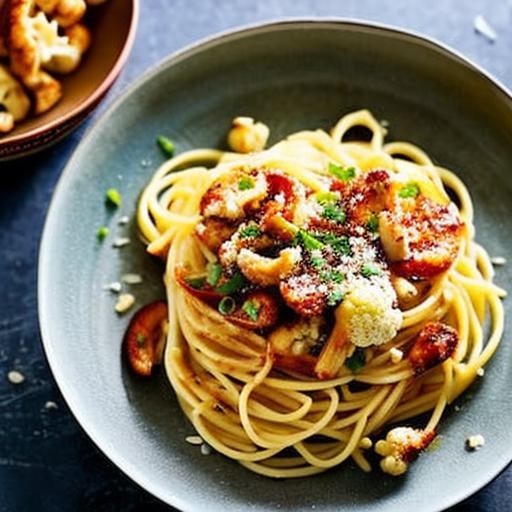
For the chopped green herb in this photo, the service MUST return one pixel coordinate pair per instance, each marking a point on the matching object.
(327, 197)
(113, 197)
(213, 273)
(141, 339)
(334, 213)
(342, 173)
(317, 261)
(308, 241)
(195, 282)
(251, 231)
(227, 305)
(369, 269)
(232, 285)
(373, 223)
(340, 244)
(334, 297)
(411, 189)
(166, 145)
(102, 233)
(333, 276)
(356, 361)
(245, 183)
(251, 309)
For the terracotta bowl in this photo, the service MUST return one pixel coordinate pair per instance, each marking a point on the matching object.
(113, 25)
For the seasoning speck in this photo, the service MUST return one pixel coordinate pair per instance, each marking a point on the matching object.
(498, 261)
(15, 377)
(480, 372)
(482, 27)
(131, 279)
(124, 302)
(195, 440)
(120, 242)
(473, 443)
(123, 220)
(113, 287)
(206, 449)
(50, 405)
(396, 355)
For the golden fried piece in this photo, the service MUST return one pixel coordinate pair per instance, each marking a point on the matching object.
(64, 12)
(13, 100)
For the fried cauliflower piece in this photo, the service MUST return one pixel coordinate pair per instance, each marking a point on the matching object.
(401, 446)
(66, 57)
(265, 271)
(29, 48)
(246, 136)
(13, 100)
(64, 12)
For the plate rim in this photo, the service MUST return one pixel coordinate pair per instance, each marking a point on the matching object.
(116, 457)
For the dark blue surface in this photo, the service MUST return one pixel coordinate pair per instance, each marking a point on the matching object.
(47, 463)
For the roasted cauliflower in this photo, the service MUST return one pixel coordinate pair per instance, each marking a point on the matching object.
(13, 100)
(64, 12)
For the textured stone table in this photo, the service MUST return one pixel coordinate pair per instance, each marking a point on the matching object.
(47, 463)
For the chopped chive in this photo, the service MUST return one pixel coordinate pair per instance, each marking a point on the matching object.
(373, 223)
(232, 285)
(411, 189)
(308, 241)
(251, 309)
(342, 173)
(251, 231)
(213, 273)
(195, 282)
(113, 197)
(369, 269)
(166, 145)
(141, 339)
(102, 233)
(356, 361)
(327, 197)
(245, 183)
(227, 305)
(334, 213)
(334, 297)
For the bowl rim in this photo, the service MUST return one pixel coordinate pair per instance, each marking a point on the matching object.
(134, 473)
(90, 101)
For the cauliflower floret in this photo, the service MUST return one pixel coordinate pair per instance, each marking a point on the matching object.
(65, 58)
(367, 316)
(25, 47)
(265, 271)
(64, 12)
(13, 99)
(401, 446)
(246, 136)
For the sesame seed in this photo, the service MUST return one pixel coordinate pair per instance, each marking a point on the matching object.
(195, 440)
(498, 261)
(206, 449)
(15, 377)
(131, 279)
(480, 372)
(50, 405)
(123, 220)
(120, 242)
(124, 302)
(475, 442)
(113, 287)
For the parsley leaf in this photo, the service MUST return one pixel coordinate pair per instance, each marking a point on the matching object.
(245, 183)
(356, 361)
(342, 173)
(166, 145)
(251, 309)
(113, 197)
(195, 282)
(251, 231)
(327, 197)
(373, 223)
(340, 244)
(369, 269)
(334, 297)
(333, 276)
(411, 189)
(334, 213)
(317, 261)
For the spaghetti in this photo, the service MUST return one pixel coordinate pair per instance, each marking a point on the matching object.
(276, 419)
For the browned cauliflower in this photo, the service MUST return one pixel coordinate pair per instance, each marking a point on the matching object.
(64, 12)
(13, 100)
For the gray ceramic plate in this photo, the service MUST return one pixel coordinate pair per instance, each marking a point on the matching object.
(292, 75)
